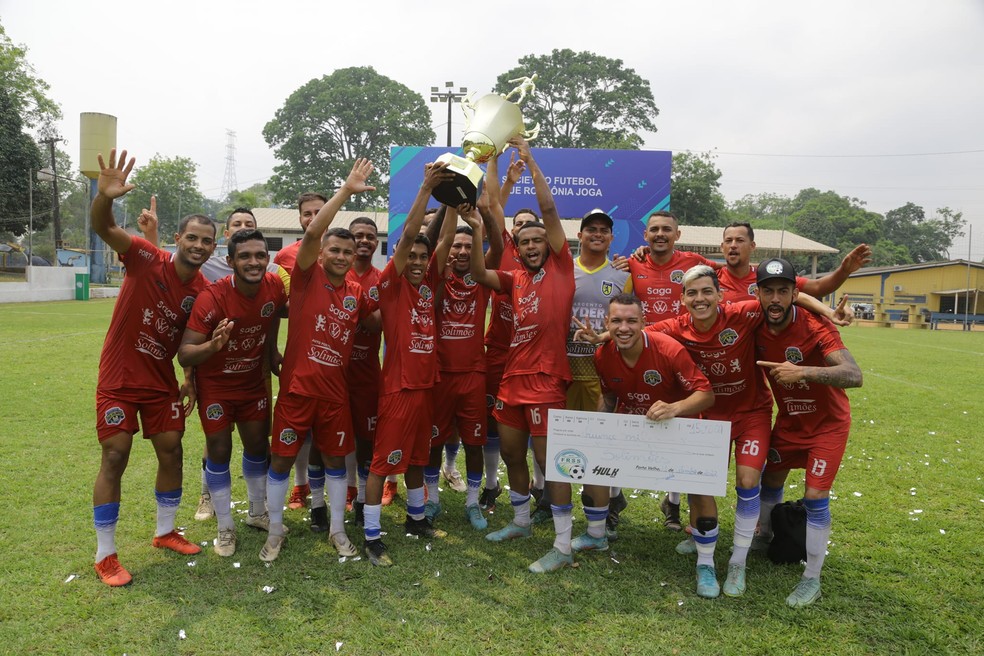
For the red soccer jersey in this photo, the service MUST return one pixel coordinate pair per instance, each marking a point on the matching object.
(410, 361)
(743, 289)
(234, 372)
(287, 256)
(542, 304)
(148, 320)
(462, 318)
(726, 355)
(364, 367)
(499, 334)
(805, 409)
(321, 332)
(664, 372)
(659, 287)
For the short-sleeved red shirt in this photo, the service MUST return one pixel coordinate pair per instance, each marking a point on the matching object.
(364, 367)
(410, 361)
(287, 256)
(148, 320)
(542, 304)
(735, 289)
(664, 372)
(659, 286)
(461, 320)
(499, 334)
(805, 409)
(235, 371)
(726, 355)
(321, 333)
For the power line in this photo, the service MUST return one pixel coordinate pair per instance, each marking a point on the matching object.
(810, 156)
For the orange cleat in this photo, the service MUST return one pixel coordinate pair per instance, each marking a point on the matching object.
(112, 573)
(176, 542)
(350, 497)
(389, 492)
(298, 496)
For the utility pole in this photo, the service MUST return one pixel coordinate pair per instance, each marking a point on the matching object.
(450, 96)
(55, 213)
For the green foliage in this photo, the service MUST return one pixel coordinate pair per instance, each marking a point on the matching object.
(926, 240)
(28, 92)
(329, 122)
(256, 196)
(173, 180)
(584, 100)
(20, 159)
(694, 189)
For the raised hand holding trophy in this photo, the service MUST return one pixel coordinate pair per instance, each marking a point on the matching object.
(493, 122)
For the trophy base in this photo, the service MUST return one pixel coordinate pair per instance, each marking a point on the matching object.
(465, 186)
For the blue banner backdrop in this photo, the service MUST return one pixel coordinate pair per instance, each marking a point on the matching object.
(627, 184)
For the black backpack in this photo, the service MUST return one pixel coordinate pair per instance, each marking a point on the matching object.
(788, 533)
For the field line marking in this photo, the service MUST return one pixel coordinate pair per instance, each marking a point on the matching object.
(45, 339)
(900, 380)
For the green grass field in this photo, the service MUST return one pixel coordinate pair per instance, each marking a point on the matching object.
(903, 574)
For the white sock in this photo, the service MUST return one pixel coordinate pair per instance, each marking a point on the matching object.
(596, 516)
(474, 480)
(105, 517)
(254, 472)
(220, 487)
(432, 476)
(415, 502)
(337, 487)
(372, 516)
(563, 525)
(746, 516)
(277, 485)
(167, 510)
(316, 481)
(817, 534)
(521, 508)
(490, 452)
(705, 545)
(363, 479)
(674, 497)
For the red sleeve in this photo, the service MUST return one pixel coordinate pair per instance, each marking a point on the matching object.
(204, 314)
(801, 282)
(828, 337)
(669, 327)
(140, 255)
(505, 282)
(565, 259)
(366, 305)
(687, 373)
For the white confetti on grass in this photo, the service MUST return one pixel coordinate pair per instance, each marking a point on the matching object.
(857, 494)
(268, 589)
(236, 565)
(182, 635)
(942, 532)
(71, 577)
(338, 645)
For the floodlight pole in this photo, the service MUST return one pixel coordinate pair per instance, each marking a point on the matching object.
(30, 219)
(450, 96)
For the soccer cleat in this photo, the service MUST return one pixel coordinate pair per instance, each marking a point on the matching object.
(205, 508)
(111, 572)
(585, 542)
(432, 509)
(454, 480)
(225, 545)
(271, 549)
(687, 547)
(805, 593)
(760, 543)
(389, 492)
(536, 493)
(552, 561)
(510, 531)
(487, 500)
(541, 515)
(376, 553)
(360, 513)
(671, 511)
(298, 496)
(707, 583)
(259, 522)
(343, 545)
(734, 585)
(176, 542)
(423, 528)
(350, 497)
(319, 519)
(474, 515)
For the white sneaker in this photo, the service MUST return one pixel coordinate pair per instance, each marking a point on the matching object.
(343, 545)
(271, 549)
(205, 509)
(454, 480)
(225, 545)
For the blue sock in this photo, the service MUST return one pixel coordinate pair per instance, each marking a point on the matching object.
(316, 479)
(817, 533)
(746, 516)
(770, 498)
(220, 487)
(474, 480)
(167, 510)
(431, 477)
(105, 516)
(415, 503)
(255, 474)
(450, 454)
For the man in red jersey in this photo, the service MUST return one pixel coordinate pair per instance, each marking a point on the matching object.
(136, 373)
(641, 373)
(308, 206)
(325, 310)
(809, 367)
(226, 342)
(537, 371)
(738, 280)
(408, 289)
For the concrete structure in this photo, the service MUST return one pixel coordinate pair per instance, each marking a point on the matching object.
(49, 284)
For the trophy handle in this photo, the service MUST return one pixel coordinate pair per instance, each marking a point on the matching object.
(466, 104)
(526, 86)
(531, 133)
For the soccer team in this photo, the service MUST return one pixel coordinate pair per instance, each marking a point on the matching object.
(683, 340)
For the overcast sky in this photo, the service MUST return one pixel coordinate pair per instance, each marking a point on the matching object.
(878, 99)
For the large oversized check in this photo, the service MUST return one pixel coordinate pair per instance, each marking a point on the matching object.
(600, 448)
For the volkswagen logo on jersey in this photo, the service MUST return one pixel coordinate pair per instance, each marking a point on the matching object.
(288, 436)
(677, 276)
(349, 303)
(571, 463)
(214, 411)
(793, 355)
(728, 336)
(115, 416)
(267, 309)
(187, 303)
(607, 287)
(652, 377)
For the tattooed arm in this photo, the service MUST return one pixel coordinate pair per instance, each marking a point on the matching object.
(841, 371)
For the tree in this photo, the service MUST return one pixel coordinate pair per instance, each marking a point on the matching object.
(584, 100)
(255, 196)
(28, 93)
(926, 240)
(329, 122)
(694, 195)
(20, 159)
(834, 220)
(763, 211)
(173, 180)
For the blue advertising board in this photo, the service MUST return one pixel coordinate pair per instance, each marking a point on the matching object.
(627, 184)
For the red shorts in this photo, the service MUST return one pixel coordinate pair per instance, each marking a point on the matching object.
(527, 417)
(821, 457)
(495, 366)
(296, 415)
(364, 404)
(750, 433)
(217, 415)
(460, 404)
(403, 432)
(160, 412)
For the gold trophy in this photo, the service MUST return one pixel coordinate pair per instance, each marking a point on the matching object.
(493, 122)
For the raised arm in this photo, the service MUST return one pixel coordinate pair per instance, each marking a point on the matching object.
(513, 173)
(433, 231)
(445, 237)
(434, 174)
(147, 223)
(837, 316)
(841, 371)
(490, 207)
(857, 258)
(479, 273)
(544, 198)
(110, 186)
(354, 184)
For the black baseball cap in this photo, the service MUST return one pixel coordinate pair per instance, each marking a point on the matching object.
(775, 268)
(597, 215)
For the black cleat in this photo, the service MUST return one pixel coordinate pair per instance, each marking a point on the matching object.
(376, 553)
(319, 519)
(423, 528)
(487, 500)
